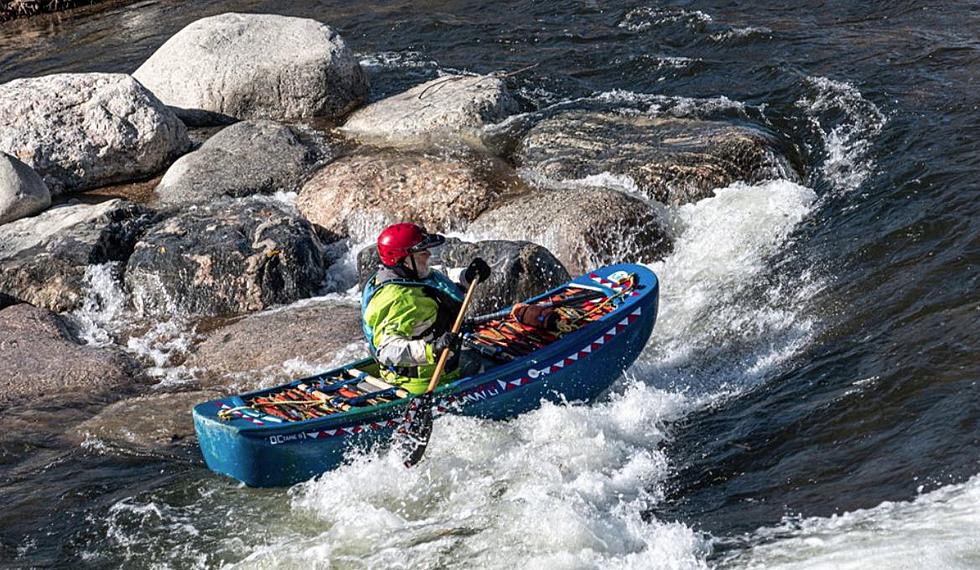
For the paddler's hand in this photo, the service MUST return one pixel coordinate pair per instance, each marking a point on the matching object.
(477, 269)
(449, 340)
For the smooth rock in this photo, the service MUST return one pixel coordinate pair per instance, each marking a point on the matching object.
(520, 270)
(674, 161)
(44, 259)
(225, 258)
(82, 130)
(256, 347)
(246, 158)
(454, 107)
(22, 192)
(358, 195)
(43, 360)
(146, 423)
(255, 66)
(585, 228)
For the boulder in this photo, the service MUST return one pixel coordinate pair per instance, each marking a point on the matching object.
(310, 332)
(146, 423)
(22, 192)
(44, 361)
(675, 161)
(246, 158)
(520, 270)
(225, 258)
(82, 130)
(357, 195)
(255, 66)
(454, 107)
(43, 259)
(585, 228)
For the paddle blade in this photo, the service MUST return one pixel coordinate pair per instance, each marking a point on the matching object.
(413, 435)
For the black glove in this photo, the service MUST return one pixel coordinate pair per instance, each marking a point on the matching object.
(446, 340)
(477, 268)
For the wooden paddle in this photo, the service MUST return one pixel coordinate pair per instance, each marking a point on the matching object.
(417, 427)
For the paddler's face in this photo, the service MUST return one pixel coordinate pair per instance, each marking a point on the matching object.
(421, 262)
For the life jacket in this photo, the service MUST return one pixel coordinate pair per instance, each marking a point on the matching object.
(448, 298)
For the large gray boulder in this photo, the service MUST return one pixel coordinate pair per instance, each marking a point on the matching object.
(255, 66)
(225, 258)
(43, 259)
(520, 270)
(82, 130)
(43, 361)
(256, 347)
(246, 158)
(585, 228)
(22, 192)
(359, 194)
(455, 107)
(675, 161)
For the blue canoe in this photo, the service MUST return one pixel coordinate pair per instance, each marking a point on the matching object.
(263, 450)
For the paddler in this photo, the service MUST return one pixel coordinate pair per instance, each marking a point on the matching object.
(408, 308)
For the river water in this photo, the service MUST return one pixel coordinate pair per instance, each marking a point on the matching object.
(809, 398)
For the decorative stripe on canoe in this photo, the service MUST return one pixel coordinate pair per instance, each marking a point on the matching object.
(505, 385)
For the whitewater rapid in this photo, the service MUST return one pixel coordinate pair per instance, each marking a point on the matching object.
(565, 486)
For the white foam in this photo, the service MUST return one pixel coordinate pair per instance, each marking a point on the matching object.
(741, 33)
(103, 305)
(936, 530)
(847, 140)
(644, 18)
(673, 106)
(563, 486)
(708, 311)
(396, 59)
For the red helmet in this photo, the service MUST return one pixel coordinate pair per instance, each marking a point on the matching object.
(398, 241)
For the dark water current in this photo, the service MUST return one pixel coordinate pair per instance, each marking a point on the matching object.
(881, 101)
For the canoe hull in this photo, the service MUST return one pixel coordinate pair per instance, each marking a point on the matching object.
(580, 367)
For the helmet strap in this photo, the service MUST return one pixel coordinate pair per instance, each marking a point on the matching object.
(410, 272)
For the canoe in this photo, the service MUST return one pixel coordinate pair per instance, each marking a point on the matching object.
(283, 435)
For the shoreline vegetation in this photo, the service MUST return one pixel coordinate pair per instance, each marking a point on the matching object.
(15, 9)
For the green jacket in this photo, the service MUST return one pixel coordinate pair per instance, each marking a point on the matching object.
(402, 318)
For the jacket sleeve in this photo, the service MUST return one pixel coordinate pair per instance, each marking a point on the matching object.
(396, 350)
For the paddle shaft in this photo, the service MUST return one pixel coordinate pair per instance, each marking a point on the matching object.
(444, 355)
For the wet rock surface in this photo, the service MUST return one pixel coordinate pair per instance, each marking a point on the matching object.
(359, 194)
(674, 161)
(82, 130)
(450, 107)
(22, 192)
(255, 66)
(519, 270)
(146, 423)
(308, 333)
(225, 258)
(584, 228)
(251, 157)
(43, 360)
(44, 259)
